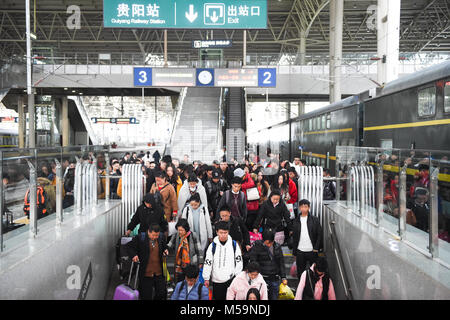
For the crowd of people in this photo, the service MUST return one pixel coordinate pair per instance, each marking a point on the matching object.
(225, 222)
(226, 225)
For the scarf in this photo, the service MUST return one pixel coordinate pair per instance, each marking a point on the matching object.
(182, 258)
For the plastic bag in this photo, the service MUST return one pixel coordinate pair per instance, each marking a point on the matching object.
(285, 293)
(293, 271)
(166, 271)
(254, 237)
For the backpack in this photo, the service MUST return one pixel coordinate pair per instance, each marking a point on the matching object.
(158, 196)
(234, 250)
(41, 202)
(187, 212)
(200, 287)
(329, 192)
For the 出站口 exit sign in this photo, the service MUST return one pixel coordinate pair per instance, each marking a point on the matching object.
(185, 14)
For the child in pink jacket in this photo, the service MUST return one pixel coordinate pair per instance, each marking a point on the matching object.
(251, 278)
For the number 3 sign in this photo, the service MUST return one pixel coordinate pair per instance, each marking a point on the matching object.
(142, 77)
(267, 77)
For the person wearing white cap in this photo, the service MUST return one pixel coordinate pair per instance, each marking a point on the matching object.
(247, 183)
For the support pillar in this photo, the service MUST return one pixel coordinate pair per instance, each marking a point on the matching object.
(302, 48)
(65, 122)
(388, 24)
(336, 29)
(244, 58)
(22, 122)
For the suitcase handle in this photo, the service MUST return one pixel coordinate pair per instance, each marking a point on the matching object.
(131, 272)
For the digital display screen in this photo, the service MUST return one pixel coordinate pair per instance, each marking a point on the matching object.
(236, 77)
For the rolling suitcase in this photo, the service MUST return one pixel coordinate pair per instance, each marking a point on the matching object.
(125, 291)
(122, 259)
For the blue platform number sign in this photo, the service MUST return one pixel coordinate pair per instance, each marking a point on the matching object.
(267, 77)
(142, 77)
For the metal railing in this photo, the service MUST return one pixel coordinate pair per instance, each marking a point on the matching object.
(133, 189)
(387, 185)
(311, 188)
(50, 168)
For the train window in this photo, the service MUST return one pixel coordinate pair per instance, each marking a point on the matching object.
(310, 127)
(318, 123)
(329, 121)
(447, 97)
(427, 102)
(324, 122)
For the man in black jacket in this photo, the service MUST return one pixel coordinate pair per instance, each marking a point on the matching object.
(149, 249)
(270, 257)
(215, 188)
(235, 199)
(148, 213)
(306, 237)
(238, 230)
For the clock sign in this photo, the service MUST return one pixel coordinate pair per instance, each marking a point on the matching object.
(205, 77)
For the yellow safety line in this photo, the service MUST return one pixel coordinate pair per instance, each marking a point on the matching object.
(441, 177)
(329, 131)
(409, 125)
(23, 220)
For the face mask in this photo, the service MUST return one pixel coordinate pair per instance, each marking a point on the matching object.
(192, 189)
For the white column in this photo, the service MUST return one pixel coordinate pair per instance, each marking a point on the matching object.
(388, 24)
(65, 122)
(336, 27)
(302, 48)
(22, 122)
(30, 93)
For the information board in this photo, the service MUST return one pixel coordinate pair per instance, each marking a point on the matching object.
(185, 14)
(204, 77)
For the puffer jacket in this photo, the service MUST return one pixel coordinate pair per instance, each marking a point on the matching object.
(271, 217)
(146, 216)
(239, 287)
(192, 295)
(271, 266)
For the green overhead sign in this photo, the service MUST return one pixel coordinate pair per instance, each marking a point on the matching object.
(185, 14)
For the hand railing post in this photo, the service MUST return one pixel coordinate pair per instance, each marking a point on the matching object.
(32, 201)
(2, 203)
(433, 216)
(107, 181)
(402, 203)
(380, 192)
(59, 198)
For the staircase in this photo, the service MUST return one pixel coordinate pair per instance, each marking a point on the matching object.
(196, 133)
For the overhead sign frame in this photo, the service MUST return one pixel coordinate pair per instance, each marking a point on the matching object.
(180, 14)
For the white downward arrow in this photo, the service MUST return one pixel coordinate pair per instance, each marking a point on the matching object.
(191, 15)
(214, 17)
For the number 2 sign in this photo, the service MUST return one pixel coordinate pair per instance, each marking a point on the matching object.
(267, 77)
(142, 77)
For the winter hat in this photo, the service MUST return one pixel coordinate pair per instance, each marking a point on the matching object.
(216, 174)
(239, 173)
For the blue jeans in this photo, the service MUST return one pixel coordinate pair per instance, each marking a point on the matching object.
(273, 288)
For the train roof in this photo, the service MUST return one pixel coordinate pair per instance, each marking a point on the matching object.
(347, 102)
(430, 74)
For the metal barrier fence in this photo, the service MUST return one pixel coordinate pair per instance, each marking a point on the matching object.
(85, 189)
(133, 189)
(310, 187)
(361, 188)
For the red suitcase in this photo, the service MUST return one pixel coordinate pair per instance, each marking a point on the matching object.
(125, 291)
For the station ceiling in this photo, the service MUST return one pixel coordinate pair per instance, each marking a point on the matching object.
(425, 26)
